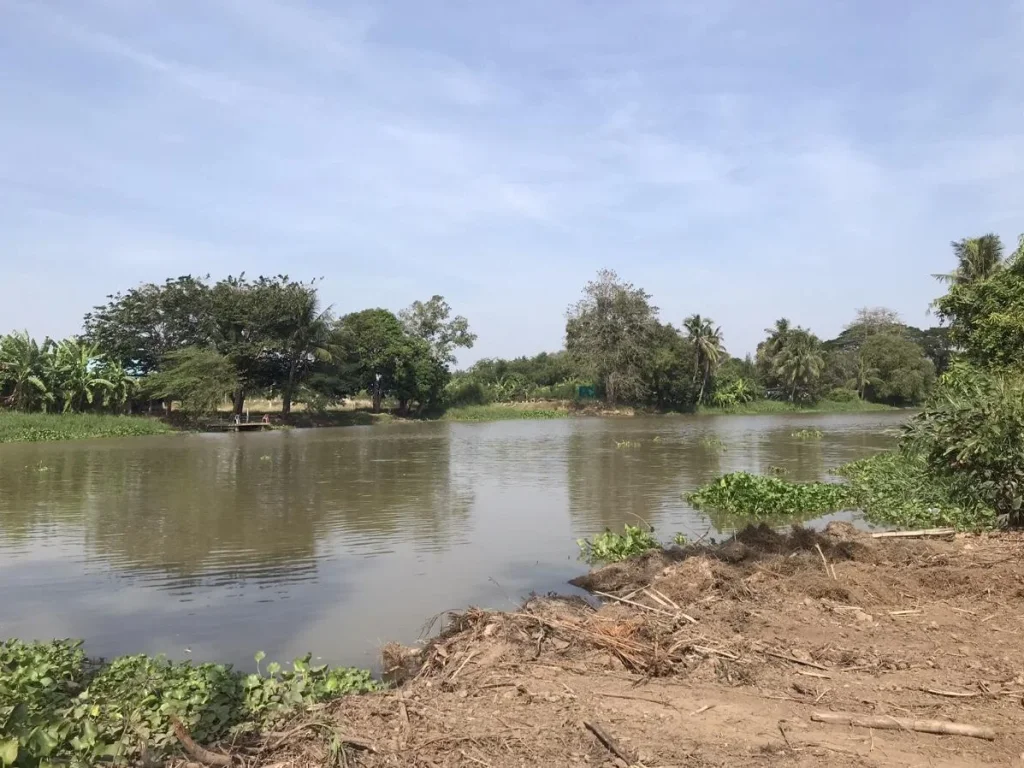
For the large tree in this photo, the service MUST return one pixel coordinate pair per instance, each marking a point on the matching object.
(141, 325)
(374, 348)
(897, 371)
(608, 333)
(431, 321)
(986, 316)
(798, 366)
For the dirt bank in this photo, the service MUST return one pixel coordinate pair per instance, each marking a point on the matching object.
(720, 659)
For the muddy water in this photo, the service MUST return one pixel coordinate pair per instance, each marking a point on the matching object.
(333, 541)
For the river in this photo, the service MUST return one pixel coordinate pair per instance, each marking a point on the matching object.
(334, 541)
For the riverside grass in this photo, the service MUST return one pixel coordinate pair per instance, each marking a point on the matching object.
(18, 427)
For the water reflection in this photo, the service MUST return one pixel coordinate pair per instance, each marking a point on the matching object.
(337, 540)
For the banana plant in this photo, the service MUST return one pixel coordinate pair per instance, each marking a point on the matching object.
(23, 364)
(76, 374)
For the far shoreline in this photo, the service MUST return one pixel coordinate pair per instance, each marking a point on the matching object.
(18, 427)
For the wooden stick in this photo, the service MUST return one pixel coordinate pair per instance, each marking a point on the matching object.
(884, 722)
(824, 561)
(656, 598)
(666, 598)
(952, 694)
(610, 743)
(912, 612)
(635, 605)
(795, 661)
(195, 751)
(914, 534)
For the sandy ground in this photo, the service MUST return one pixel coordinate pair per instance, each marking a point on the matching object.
(723, 660)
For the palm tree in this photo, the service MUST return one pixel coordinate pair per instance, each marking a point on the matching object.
(307, 338)
(708, 349)
(800, 363)
(76, 374)
(864, 376)
(23, 385)
(978, 258)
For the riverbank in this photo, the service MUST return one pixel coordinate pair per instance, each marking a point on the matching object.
(761, 650)
(43, 427)
(722, 655)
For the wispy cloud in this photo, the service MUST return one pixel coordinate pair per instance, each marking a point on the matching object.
(741, 160)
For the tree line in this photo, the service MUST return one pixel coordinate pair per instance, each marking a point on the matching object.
(617, 344)
(196, 342)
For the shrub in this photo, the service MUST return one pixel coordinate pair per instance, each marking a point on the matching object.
(842, 395)
(971, 434)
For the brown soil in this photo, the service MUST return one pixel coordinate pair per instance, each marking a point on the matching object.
(735, 649)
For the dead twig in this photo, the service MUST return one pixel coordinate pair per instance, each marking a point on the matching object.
(635, 698)
(660, 611)
(610, 744)
(827, 572)
(914, 534)
(705, 708)
(952, 694)
(795, 660)
(884, 722)
(805, 673)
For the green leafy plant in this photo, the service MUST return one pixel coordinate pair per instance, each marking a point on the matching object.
(611, 547)
(762, 497)
(56, 706)
(897, 488)
(679, 539)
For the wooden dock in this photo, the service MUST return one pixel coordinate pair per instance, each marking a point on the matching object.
(228, 426)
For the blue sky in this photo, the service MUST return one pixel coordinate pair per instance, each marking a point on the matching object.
(742, 159)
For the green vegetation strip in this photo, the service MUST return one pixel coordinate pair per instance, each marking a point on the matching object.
(42, 427)
(893, 488)
(59, 708)
(501, 413)
(763, 498)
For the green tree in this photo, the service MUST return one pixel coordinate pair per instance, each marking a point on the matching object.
(896, 370)
(138, 327)
(977, 258)
(799, 364)
(76, 374)
(707, 350)
(668, 370)
(608, 333)
(769, 349)
(373, 346)
(986, 316)
(199, 378)
(23, 364)
(432, 322)
(305, 334)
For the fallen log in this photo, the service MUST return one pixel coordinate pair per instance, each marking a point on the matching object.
(884, 722)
